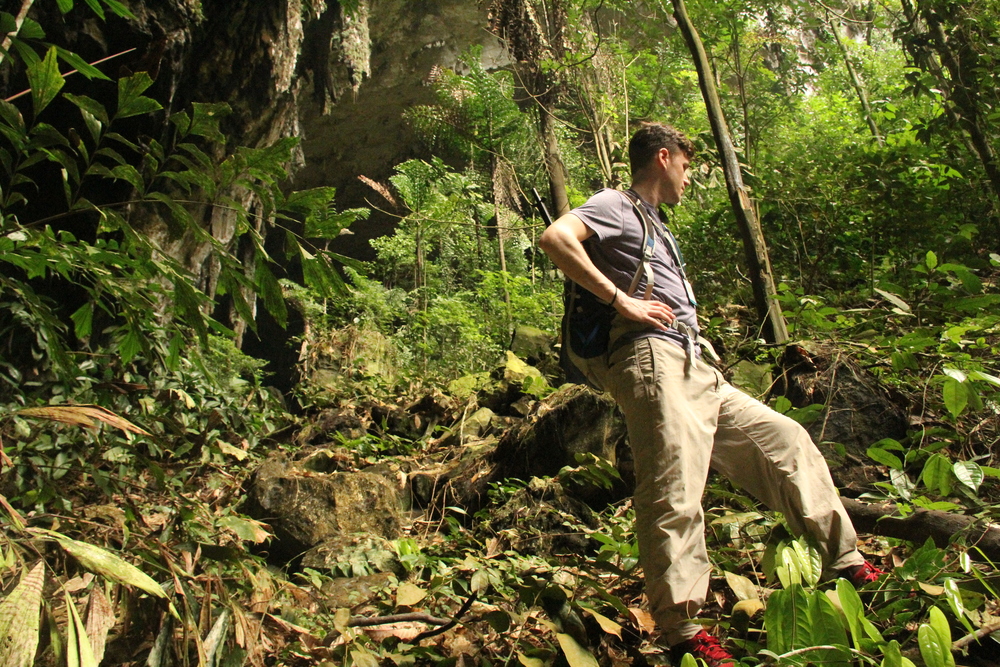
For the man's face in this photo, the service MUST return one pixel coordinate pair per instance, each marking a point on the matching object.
(675, 174)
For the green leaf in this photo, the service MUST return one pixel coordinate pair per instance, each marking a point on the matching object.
(79, 652)
(270, 293)
(956, 396)
(894, 300)
(828, 628)
(854, 610)
(95, 6)
(91, 106)
(937, 473)
(64, 5)
(19, 620)
(891, 655)
(885, 458)
(205, 120)
(119, 9)
(106, 564)
(935, 641)
(954, 597)
(969, 473)
(576, 655)
(131, 101)
(931, 260)
(45, 81)
(81, 65)
(83, 319)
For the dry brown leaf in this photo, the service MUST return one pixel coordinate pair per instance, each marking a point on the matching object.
(379, 188)
(77, 584)
(403, 631)
(100, 620)
(408, 595)
(642, 620)
(81, 415)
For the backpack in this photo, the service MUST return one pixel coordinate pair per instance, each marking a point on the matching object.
(586, 323)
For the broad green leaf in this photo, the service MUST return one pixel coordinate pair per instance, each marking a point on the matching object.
(19, 620)
(854, 610)
(64, 5)
(45, 81)
(931, 260)
(527, 661)
(985, 377)
(954, 597)
(91, 106)
(131, 101)
(934, 651)
(689, 661)
(83, 319)
(955, 373)
(828, 628)
(937, 474)
(269, 290)
(810, 561)
(107, 564)
(956, 396)
(885, 458)
(576, 655)
(205, 120)
(969, 473)
(742, 587)
(892, 656)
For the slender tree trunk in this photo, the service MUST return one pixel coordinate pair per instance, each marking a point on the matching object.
(859, 87)
(553, 161)
(761, 278)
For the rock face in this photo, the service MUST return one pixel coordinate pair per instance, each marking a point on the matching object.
(859, 410)
(541, 519)
(307, 508)
(573, 420)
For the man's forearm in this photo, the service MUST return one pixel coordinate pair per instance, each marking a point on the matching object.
(568, 253)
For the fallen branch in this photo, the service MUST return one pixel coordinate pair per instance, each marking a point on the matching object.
(416, 616)
(444, 628)
(989, 629)
(941, 527)
(419, 617)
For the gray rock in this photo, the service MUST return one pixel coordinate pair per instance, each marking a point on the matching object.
(307, 508)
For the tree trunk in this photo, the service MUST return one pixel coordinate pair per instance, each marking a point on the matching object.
(761, 278)
(553, 162)
(917, 527)
(859, 87)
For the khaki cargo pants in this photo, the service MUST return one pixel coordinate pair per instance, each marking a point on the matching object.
(684, 418)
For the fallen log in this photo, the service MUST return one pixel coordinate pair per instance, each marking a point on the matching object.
(942, 527)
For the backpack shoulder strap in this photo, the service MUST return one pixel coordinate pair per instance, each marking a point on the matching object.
(645, 267)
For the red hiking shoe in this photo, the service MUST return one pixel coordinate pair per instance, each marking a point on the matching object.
(706, 647)
(861, 575)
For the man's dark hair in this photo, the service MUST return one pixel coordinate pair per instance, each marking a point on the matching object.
(650, 138)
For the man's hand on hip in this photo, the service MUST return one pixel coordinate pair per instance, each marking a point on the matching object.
(654, 313)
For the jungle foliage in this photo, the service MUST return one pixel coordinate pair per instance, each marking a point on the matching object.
(131, 418)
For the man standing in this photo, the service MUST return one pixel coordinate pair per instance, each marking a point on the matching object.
(682, 416)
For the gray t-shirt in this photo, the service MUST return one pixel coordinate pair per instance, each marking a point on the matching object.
(616, 250)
